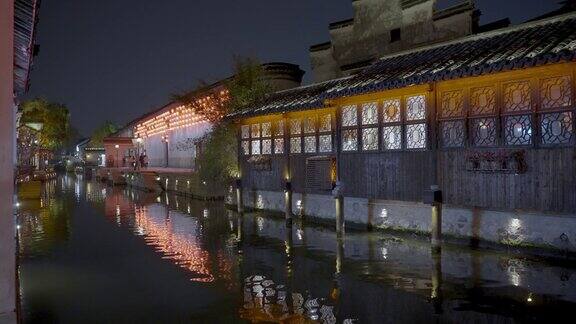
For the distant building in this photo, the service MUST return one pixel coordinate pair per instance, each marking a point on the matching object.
(381, 27)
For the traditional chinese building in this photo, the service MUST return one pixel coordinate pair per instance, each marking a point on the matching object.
(171, 136)
(489, 118)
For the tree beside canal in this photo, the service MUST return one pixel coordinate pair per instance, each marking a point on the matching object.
(103, 131)
(55, 121)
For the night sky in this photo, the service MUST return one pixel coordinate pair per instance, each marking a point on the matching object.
(117, 59)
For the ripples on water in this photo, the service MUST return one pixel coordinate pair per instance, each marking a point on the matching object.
(93, 253)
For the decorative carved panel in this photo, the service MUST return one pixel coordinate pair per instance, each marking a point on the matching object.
(255, 130)
(278, 146)
(517, 96)
(518, 130)
(369, 113)
(310, 144)
(349, 116)
(295, 126)
(452, 104)
(482, 101)
(296, 145)
(326, 123)
(246, 147)
(416, 107)
(349, 140)
(556, 92)
(256, 147)
(392, 137)
(325, 143)
(483, 131)
(245, 131)
(309, 125)
(391, 111)
(267, 146)
(452, 133)
(370, 139)
(416, 136)
(557, 128)
(266, 129)
(279, 130)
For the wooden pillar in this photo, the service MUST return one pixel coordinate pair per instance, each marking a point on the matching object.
(287, 176)
(337, 192)
(436, 220)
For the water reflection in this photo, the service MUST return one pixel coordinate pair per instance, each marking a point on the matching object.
(257, 269)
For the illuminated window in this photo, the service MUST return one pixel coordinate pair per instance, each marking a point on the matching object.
(392, 137)
(325, 143)
(266, 129)
(416, 136)
(310, 144)
(255, 130)
(349, 116)
(325, 123)
(296, 145)
(266, 146)
(246, 147)
(350, 140)
(369, 113)
(278, 146)
(557, 128)
(391, 111)
(416, 108)
(245, 131)
(256, 147)
(295, 127)
(370, 139)
(309, 125)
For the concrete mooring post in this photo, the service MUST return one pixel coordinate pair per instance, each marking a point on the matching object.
(288, 202)
(434, 198)
(239, 195)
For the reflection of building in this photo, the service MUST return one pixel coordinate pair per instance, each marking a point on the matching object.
(17, 28)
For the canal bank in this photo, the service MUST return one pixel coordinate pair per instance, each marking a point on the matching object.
(162, 252)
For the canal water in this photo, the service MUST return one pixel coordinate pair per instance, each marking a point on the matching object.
(91, 253)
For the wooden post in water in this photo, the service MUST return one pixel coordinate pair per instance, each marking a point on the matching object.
(339, 202)
(239, 195)
(288, 203)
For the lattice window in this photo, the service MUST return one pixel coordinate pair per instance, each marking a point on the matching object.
(325, 123)
(310, 144)
(370, 139)
(246, 147)
(369, 113)
(266, 129)
(279, 131)
(309, 125)
(482, 101)
(256, 147)
(416, 107)
(255, 130)
(452, 104)
(325, 143)
(483, 131)
(557, 128)
(349, 116)
(295, 126)
(518, 130)
(266, 146)
(245, 131)
(416, 136)
(452, 133)
(278, 146)
(392, 137)
(296, 145)
(517, 96)
(350, 140)
(556, 92)
(391, 111)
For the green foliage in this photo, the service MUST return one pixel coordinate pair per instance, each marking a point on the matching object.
(55, 120)
(248, 84)
(105, 130)
(219, 158)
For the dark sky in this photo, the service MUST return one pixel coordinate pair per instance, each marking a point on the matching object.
(117, 59)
